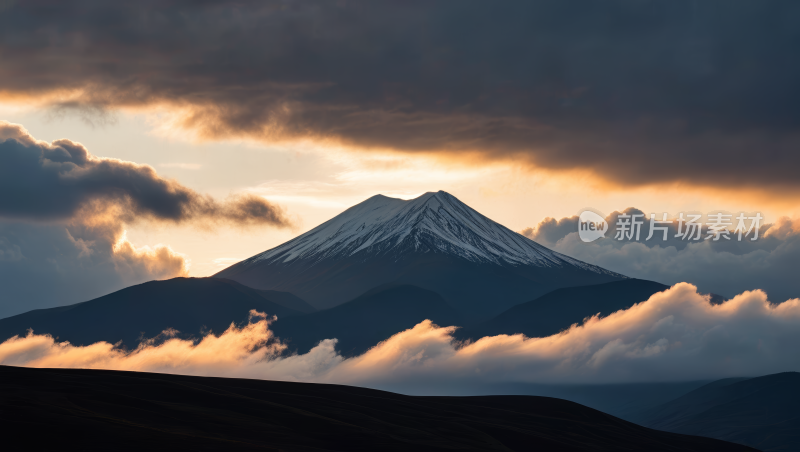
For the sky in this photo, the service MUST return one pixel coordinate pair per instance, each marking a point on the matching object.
(157, 139)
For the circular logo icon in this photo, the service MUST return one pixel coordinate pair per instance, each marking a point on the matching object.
(591, 226)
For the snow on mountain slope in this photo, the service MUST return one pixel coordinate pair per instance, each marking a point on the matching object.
(433, 222)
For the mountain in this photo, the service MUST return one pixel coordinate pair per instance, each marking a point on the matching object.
(760, 412)
(189, 305)
(435, 241)
(285, 299)
(101, 410)
(368, 319)
(626, 401)
(557, 310)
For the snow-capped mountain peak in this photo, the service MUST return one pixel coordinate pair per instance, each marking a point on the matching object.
(434, 222)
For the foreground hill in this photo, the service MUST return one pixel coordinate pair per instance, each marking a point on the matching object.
(363, 322)
(435, 241)
(189, 305)
(70, 409)
(761, 412)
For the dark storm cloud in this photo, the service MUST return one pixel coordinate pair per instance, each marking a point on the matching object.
(56, 181)
(63, 213)
(724, 267)
(637, 91)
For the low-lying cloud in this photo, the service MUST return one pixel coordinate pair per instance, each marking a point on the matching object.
(675, 335)
(143, 263)
(724, 267)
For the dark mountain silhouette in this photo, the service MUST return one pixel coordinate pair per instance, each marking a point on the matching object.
(72, 409)
(626, 401)
(189, 305)
(557, 310)
(363, 322)
(196, 306)
(761, 412)
(285, 299)
(436, 242)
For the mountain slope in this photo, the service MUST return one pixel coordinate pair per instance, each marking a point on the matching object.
(101, 410)
(435, 241)
(363, 322)
(285, 299)
(188, 305)
(557, 310)
(760, 412)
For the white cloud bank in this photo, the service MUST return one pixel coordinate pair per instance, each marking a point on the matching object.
(675, 335)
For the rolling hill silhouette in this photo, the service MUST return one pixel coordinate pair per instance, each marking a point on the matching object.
(102, 410)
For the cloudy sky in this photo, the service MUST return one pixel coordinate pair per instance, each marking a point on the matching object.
(154, 139)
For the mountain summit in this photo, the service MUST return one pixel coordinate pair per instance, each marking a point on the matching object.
(432, 223)
(434, 241)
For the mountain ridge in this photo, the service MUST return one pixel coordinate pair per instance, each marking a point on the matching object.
(366, 320)
(760, 412)
(561, 308)
(192, 306)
